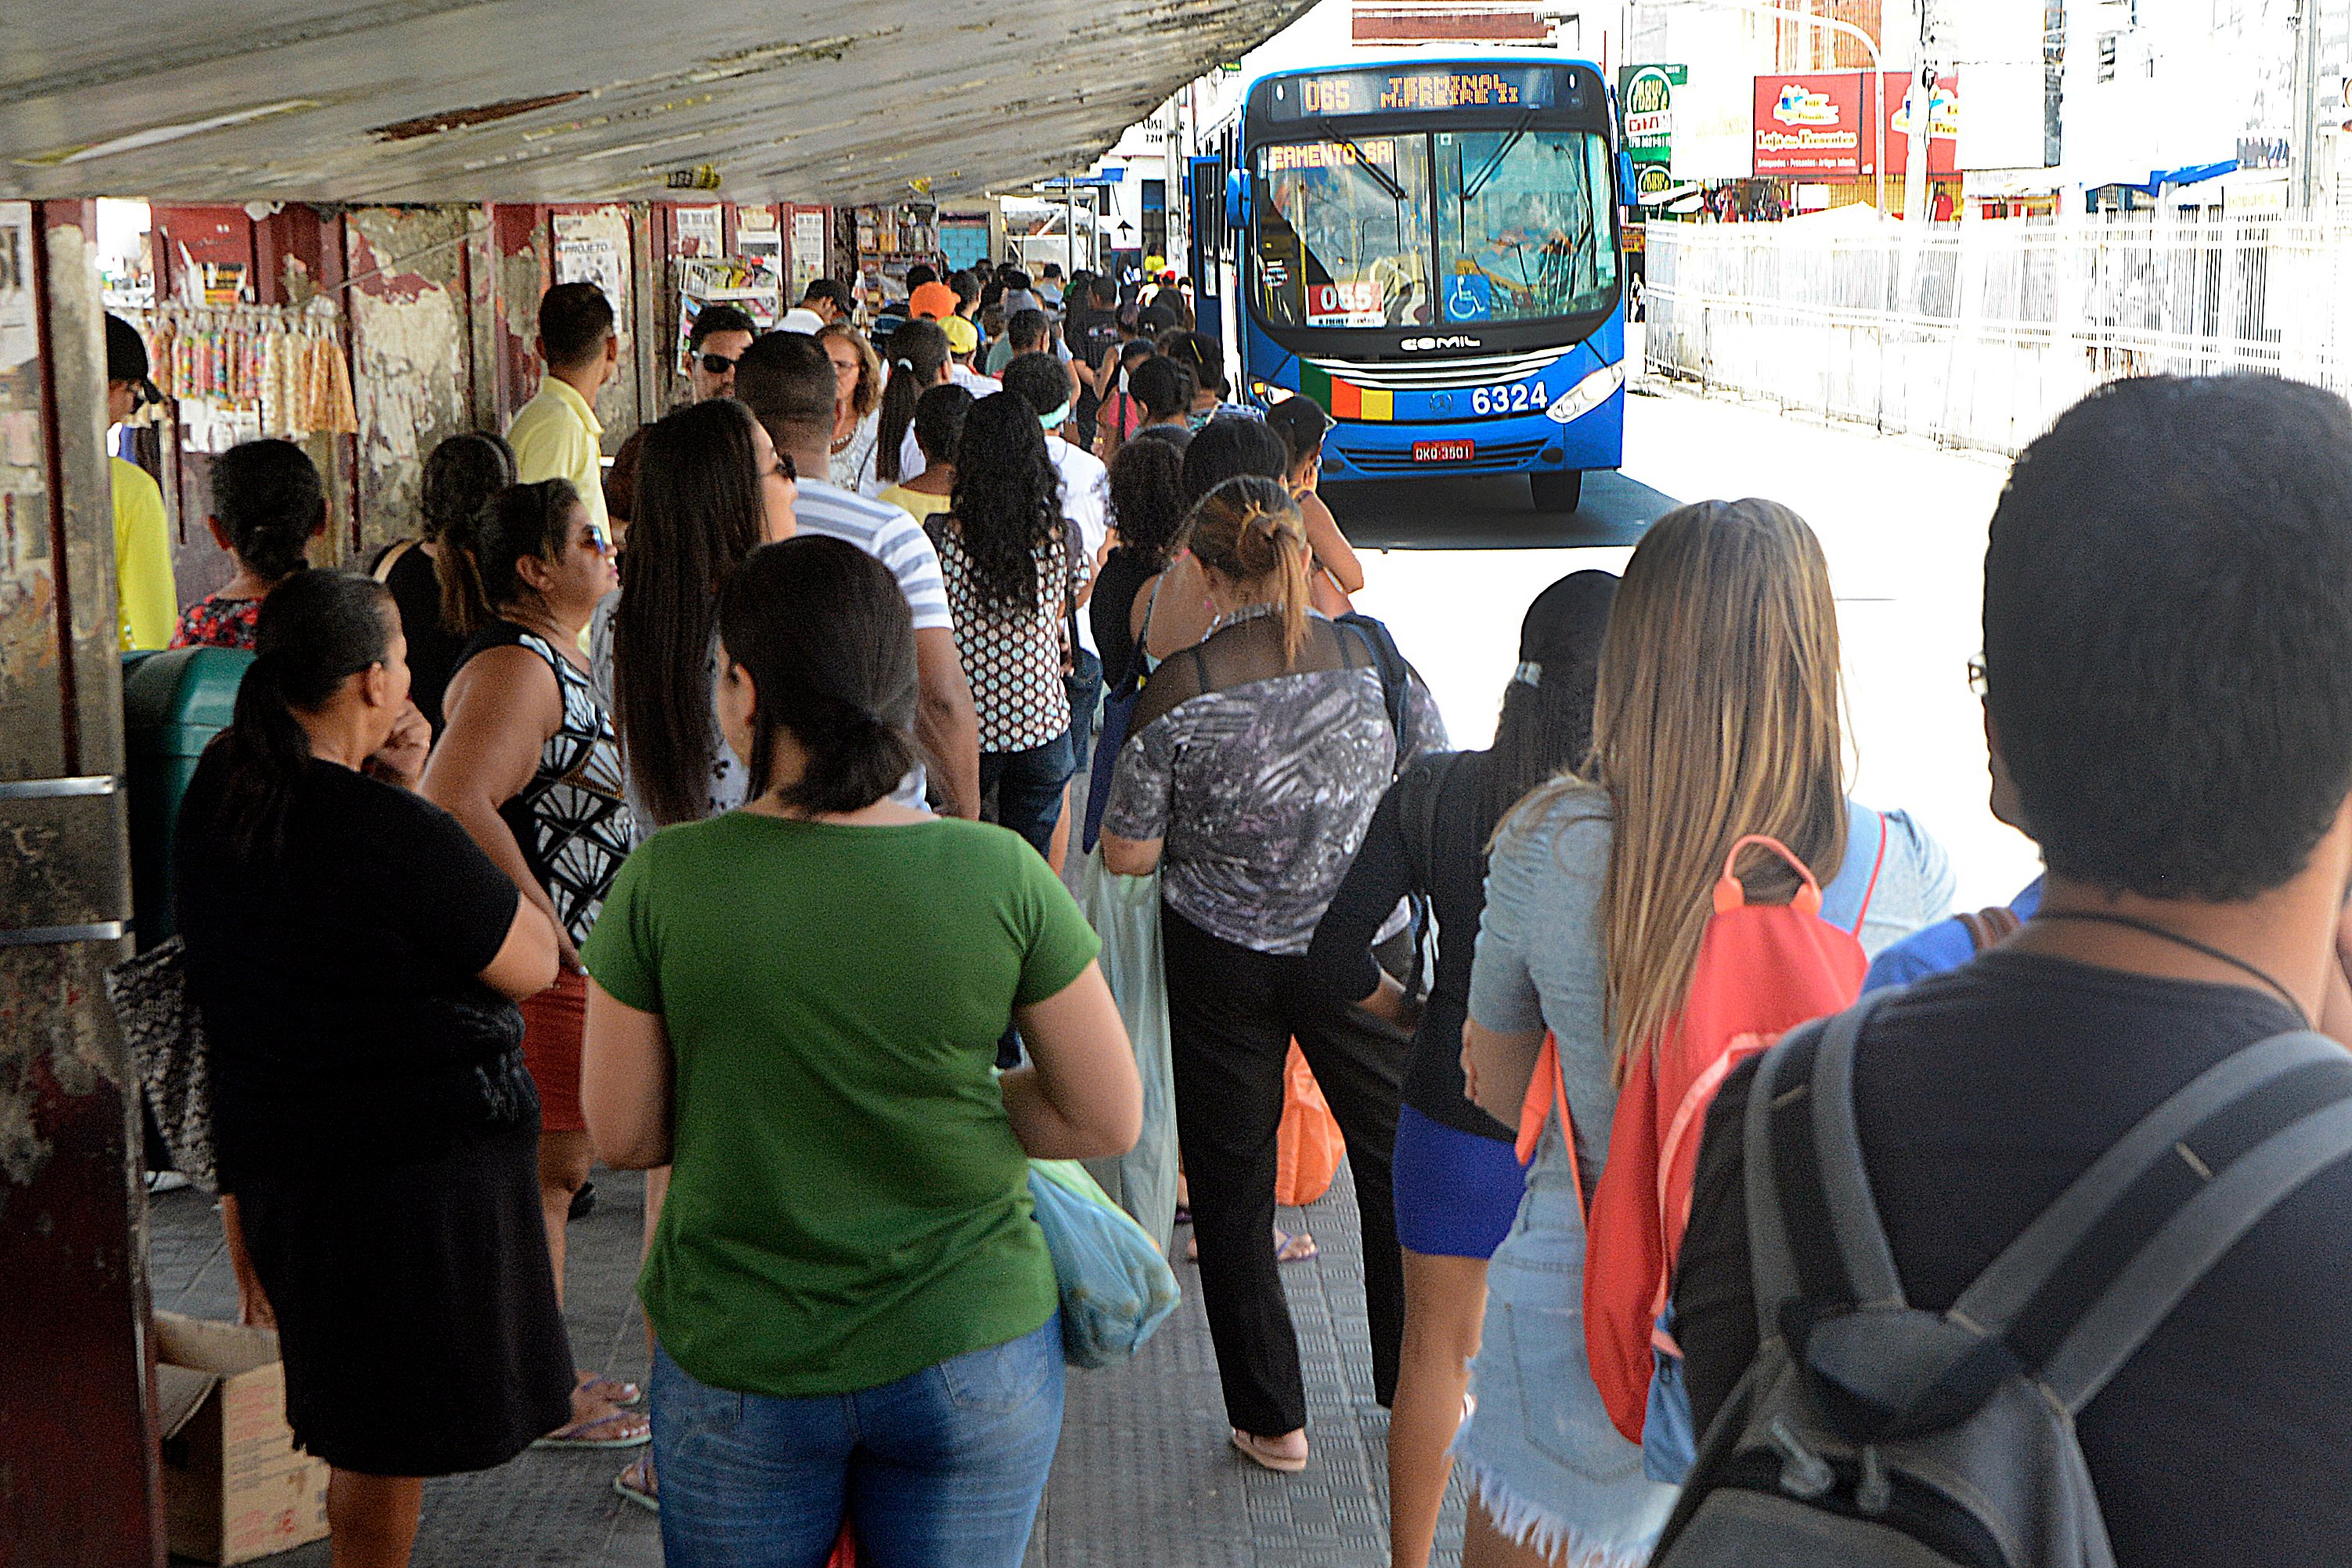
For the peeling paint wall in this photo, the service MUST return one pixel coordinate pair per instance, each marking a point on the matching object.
(412, 342)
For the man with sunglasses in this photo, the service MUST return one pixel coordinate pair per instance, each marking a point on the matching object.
(148, 603)
(721, 334)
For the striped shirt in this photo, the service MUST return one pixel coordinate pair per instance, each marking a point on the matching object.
(887, 534)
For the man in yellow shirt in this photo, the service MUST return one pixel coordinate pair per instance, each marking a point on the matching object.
(147, 603)
(556, 434)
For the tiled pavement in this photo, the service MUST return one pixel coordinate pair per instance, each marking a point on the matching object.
(1144, 1476)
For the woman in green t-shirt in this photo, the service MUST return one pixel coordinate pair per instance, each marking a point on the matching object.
(796, 1005)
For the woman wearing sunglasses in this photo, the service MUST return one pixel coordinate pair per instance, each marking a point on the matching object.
(528, 765)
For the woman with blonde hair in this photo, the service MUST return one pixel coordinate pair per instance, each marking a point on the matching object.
(1254, 761)
(857, 406)
(1715, 715)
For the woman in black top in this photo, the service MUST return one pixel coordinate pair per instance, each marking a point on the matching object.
(461, 476)
(1146, 514)
(355, 959)
(530, 765)
(1457, 1176)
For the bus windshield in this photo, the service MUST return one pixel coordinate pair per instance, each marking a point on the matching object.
(1523, 224)
(1343, 233)
(1510, 224)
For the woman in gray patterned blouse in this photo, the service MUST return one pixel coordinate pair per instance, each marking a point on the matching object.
(1254, 763)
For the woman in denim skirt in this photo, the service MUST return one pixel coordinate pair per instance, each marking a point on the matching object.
(1716, 716)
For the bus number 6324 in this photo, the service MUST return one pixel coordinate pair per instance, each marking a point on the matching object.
(1509, 400)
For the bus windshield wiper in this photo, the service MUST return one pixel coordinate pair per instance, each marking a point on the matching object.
(1364, 161)
(1471, 188)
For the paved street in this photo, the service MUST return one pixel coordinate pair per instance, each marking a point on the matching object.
(1144, 1476)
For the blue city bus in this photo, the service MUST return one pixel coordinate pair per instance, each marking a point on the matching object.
(1429, 247)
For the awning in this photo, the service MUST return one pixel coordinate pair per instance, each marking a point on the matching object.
(2161, 179)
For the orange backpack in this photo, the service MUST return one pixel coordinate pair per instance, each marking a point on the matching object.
(1762, 969)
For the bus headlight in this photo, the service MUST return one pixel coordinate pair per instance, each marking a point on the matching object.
(1586, 395)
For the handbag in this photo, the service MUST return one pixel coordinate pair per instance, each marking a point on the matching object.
(1125, 913)
(165, 1033)
(1115, 1287)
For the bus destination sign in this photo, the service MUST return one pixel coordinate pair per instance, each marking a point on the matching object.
(1411, 91)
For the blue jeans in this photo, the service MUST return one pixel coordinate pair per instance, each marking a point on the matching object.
(943, 1469)
(1028, 786)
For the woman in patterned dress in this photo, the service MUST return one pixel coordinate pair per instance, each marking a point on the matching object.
(1015, 575)
(529, 764)
(268, 505)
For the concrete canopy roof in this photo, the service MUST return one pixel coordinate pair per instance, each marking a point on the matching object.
(461, 100)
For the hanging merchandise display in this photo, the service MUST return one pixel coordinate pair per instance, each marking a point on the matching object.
(751, 287)
(240, 372)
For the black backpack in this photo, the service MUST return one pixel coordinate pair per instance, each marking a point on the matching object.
(1870, 1434)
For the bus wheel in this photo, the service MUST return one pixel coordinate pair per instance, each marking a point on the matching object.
(1558, 492)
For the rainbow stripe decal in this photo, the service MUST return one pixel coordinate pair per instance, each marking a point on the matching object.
(1345, 400)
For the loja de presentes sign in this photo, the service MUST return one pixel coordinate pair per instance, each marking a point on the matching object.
(1817, 126)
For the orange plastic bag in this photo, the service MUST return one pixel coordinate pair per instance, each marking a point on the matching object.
(1307, 1146)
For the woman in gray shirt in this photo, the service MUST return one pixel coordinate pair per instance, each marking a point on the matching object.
(1255, 763)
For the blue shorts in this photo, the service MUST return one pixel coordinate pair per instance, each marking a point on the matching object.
(1456, 1193)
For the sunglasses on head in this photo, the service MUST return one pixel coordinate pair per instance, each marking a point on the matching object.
(716, 364)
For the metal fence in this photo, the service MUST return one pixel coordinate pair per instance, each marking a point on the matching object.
(1984, 333)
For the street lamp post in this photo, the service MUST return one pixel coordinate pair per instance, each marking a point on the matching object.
(1843, 29)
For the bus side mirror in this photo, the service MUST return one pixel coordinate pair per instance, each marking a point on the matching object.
(1629, 190)
(1237, 199)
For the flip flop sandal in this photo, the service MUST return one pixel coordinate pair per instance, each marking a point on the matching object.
(611, 1390)
(639, 1485)
(1298, 1249)
(1262, 1453)
(618, 1429)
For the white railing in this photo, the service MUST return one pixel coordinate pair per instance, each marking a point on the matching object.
(1990, 330)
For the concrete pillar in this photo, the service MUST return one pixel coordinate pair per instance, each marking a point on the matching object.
(78, 1480)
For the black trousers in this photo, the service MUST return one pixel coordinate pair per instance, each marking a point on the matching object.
(1231, 1014)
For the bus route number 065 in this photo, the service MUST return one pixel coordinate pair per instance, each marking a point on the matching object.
(1519, 399)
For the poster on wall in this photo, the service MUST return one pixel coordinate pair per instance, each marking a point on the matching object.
(19, 333)
(758, 238)
(585, 254)
(698, 231)
(808, 247)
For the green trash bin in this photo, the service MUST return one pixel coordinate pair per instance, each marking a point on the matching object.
(174, 702)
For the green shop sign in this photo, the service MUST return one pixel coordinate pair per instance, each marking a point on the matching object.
(1646, 97)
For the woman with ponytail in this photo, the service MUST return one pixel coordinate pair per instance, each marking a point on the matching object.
(267, 505)
(918, 362)
(1253, 766)
(530, 765)
(798, 1003)
(356, 960)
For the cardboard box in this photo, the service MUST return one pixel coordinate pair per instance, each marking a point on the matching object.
(234, 1488)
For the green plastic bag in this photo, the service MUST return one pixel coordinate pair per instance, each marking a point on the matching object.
(1125, 913)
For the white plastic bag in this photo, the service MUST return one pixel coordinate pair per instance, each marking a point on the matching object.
(1124, 911)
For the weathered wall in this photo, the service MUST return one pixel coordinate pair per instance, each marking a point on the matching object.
(411, 349)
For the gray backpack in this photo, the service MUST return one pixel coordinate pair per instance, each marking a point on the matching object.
(1869, 1433)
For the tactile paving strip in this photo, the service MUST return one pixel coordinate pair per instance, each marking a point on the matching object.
(1144, 1476)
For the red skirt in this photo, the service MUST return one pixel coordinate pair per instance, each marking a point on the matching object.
(553, 1024)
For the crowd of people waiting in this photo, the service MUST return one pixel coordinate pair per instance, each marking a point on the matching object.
(634, 834)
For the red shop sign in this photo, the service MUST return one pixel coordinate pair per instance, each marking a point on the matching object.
(1812, 127)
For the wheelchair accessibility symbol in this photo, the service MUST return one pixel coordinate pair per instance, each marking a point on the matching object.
(1469, 297)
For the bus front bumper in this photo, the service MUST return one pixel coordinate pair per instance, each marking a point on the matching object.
(1362, 450)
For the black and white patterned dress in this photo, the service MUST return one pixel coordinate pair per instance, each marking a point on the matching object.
(1015, 658)
(572, 819)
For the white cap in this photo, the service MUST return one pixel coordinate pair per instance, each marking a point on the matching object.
(799, 318)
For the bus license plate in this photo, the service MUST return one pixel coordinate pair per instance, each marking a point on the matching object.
(1444, 451)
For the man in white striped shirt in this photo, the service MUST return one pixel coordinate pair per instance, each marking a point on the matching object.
(788, 382)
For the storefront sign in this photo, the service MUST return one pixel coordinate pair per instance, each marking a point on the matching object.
(1647, 96)
(1817, 126)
